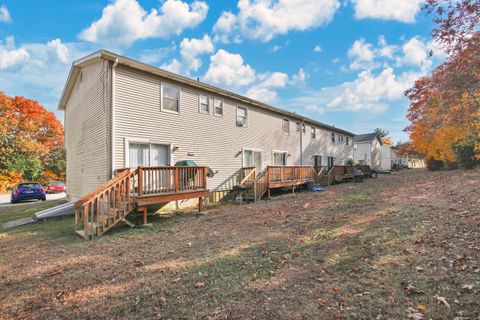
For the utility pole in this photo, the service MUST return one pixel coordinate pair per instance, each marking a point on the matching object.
(302, 124)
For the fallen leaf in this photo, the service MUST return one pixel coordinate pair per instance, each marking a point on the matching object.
(421, 307)
(306, 205)
(162, 300)
(138, 263)
(411, 289)
(336, 289)
(199, 285)
(442, 300)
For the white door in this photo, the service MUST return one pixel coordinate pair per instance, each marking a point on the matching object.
(145, 155)
(279, 158)
(253, 158)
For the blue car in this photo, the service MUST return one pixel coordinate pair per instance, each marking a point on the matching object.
(28, 191)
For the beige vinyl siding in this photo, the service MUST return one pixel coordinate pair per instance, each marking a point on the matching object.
(213, 141)
(86, 131)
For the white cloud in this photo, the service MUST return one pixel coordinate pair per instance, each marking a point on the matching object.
(414, 52)
(125, 21)
(361, 53)
(59, 50)
(300, 77)
(317, 49)
(190, 49)
(229, 70)
(10, 55)
(4, 14)
(174, 66)
(373, 92)
(224, 27)
(400, 10)
(267, 18)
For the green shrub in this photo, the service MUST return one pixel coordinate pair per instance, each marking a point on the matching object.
(465, 152)
(434, 165)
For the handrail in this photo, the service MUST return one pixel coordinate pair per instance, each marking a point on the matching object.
(104, 186)
(248, 176)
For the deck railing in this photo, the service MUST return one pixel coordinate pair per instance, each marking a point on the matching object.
(290, 173)
(91, 210)
(158, 180)
(248, 174)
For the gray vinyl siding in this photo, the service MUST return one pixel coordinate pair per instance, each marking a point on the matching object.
(86, 130)
(214, 141)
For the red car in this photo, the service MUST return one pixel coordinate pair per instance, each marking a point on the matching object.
(56, 187)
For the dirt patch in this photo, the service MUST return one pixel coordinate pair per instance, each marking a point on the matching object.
(353, 252)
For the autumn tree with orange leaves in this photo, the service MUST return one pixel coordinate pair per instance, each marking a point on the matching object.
(31, 142)
(445, 107)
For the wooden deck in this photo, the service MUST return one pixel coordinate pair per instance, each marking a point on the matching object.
(132, 190)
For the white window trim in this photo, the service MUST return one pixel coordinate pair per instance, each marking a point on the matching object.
(129, 140)
(254, 150)
(223, 108)
(286, 133)
(280, 151)
(246, 116)
(179, 97)
(209, 98)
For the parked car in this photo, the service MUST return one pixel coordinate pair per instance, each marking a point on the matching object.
(56, 187)
(28, 191)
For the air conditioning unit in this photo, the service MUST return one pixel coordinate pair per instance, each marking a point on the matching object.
(241, 123)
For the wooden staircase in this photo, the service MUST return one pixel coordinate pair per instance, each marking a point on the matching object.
(103, 208)
(255, 185)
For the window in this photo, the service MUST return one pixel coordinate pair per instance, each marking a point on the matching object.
(317, 161)
(304, 128)
(204, 104)
(280, 158)
(333, 137)
(241, 116)
(170, 98)
(298, 127)
(314, 133)
(286, 126)
(330, 161)
(218, 107)
(347, 141)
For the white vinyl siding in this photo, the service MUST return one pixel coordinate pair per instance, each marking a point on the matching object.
(314, 133)
(216, 142)
(86, 131)
(170, 98)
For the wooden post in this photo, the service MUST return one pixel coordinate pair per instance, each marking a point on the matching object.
(144, 210)
(200, 204)
(204, 178)
(176, 179)
(281, 173)
(140, 181)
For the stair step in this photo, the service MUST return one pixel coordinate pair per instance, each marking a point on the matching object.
(106, 219)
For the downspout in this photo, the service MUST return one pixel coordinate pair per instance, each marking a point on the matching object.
(114, 66)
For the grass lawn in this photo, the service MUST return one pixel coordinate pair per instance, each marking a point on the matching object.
(26, 209)
(404, 246)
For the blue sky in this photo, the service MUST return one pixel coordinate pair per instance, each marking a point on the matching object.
(342, 62)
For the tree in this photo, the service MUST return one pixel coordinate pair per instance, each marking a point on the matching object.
(381, 133)
(30, 137)
(457, 22)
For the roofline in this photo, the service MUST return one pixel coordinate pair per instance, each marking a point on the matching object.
(110, 56)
